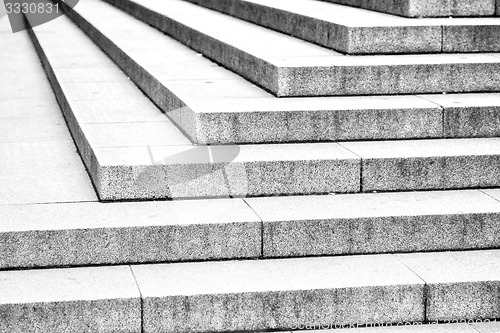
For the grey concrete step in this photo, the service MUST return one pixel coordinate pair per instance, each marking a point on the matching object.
(150, 158)
(214, 106)
(79, 234)
(426, 8)
(358, 31)
(254, 295)
(287, 66)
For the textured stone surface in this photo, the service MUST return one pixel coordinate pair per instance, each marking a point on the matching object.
(260, 295)
(104, 299)
(471, 35)
(222, 171)
(469, 115)
(426, 8)
(460, 284)
(311, 71)
(94, 233)
(314, 119)
(374, 223)
(389, 74)
(344, 29)
(428, 164)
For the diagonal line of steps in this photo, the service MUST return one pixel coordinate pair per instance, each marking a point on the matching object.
(152, 159)
(70, 234)
(357, 31)
(252, 295)
(156, 161)
(427, 8)
(263, 56)
(214, 106)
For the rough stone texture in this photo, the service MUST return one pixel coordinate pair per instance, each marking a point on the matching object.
(93, 233)
(390, 74)
(223, 171)
(260, 120)
(341, 28)
(426, 8)
(459, 284)
(428, 164)
(104, 299)
(471, 35)
(261, 295)
(374, 223)
(469, 115)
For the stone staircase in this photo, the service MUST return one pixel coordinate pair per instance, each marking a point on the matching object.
(294, 165)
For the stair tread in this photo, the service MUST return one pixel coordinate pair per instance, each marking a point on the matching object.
(248, 294)
(314, 69)
(76, 234)
(359, 31)
(224, 108)
(159, 145)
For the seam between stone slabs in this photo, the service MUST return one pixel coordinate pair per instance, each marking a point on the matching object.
(425, 287)
(261, 227)
(442, 108)
(140, 297)
(361, 160)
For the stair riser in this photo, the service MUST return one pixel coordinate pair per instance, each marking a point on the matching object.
(278, 310)
(427, 8)
(392, 234)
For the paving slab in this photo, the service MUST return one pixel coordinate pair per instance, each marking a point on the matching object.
(469, 115)
(426, 8)
(312, 70)
(376, 223)
(428, 164)
(459, 284)
(55, 235)
(39, 161)
(103, 299)
(264, 294)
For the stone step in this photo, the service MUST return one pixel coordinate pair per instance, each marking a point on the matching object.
(149, 158)
(254, 295)
(287, 66)
(79, 234)
(215, 106)
(357, 31)
(426, 8)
